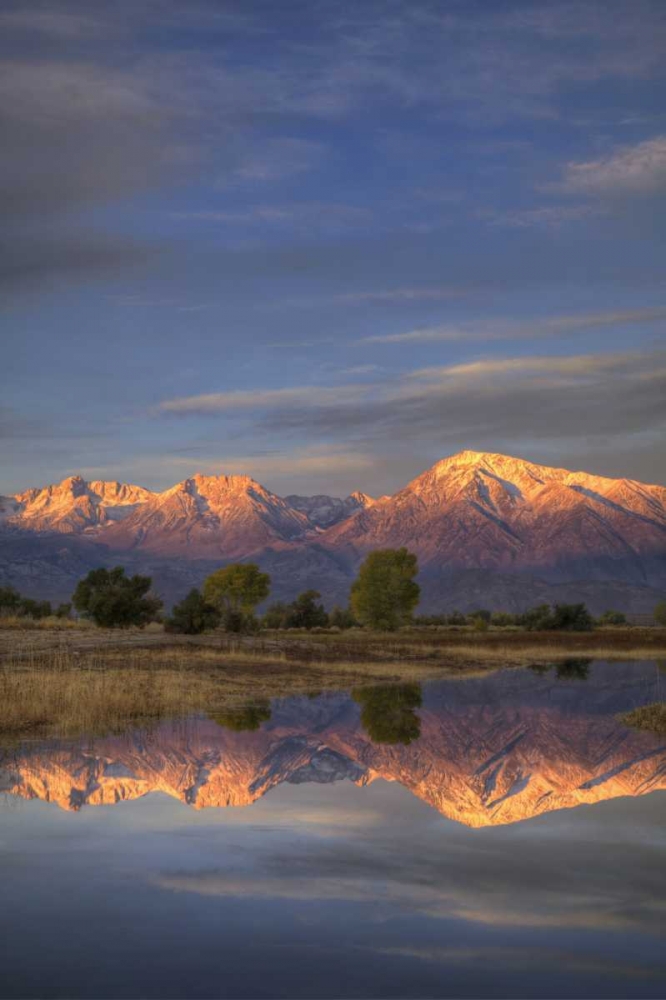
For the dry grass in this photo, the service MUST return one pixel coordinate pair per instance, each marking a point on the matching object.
(49, 624)
(67, 694)
(650, 717)
(89, 681)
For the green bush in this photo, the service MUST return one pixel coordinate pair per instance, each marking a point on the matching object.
(193, 615)
(612, 618)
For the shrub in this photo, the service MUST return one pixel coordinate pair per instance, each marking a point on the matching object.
(342, 618)
(193, 615)
(561, 618)
(612, 618)
(502, 619)
(34, 609)
(481, 613)
(9, 600)
(304, 612)
(572, 618)
(660, 613)
(537, 619)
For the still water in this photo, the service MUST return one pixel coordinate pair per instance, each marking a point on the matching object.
(498, 836)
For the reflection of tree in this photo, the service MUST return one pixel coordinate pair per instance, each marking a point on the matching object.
(539, 668)
(250, 717)
(575, 670)
(387, 712)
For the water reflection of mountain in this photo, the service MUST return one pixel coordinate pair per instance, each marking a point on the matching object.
(494, 749)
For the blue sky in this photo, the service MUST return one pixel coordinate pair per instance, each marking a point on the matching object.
(327, 244)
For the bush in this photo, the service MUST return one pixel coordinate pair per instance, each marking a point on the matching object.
(561, 618)
(384, 594)
(304, 612)
(482, 613)
(114, 600)
(193, 615)
(34, 609)
(660, 613)
(64, 610)
(456, 618)
(572, 618)
(612, 618)
(502, 619)
(10, 600)
(479, 624)
(275, 615)
(537, 619)
(342, 618)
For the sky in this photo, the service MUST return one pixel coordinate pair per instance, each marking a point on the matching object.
(326, 243)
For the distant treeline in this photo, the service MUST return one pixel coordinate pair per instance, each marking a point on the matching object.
(383, 597)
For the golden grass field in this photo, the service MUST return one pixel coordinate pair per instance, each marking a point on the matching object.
(67, 679)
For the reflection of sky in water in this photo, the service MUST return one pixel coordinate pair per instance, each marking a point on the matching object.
(329, 890)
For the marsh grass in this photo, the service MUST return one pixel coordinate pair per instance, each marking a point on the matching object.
(649, 717)
(93, 681)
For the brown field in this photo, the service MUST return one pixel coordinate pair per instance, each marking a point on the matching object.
(73, 680)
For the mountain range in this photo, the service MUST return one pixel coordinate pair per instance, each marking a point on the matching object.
(487, 529)
(492, 750)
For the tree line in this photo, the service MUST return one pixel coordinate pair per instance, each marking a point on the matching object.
(384, 597)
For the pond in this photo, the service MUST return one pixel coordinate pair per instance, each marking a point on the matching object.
(496, 835)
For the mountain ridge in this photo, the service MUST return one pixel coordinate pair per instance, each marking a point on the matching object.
(472, 511)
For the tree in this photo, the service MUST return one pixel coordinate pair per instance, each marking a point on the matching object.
(385, 594)
(572, 618)
(537, 619)
(387, 712)
(483, 613)
(64, 610)
(612, 618)
(660, 613)
(34, 609)
(304, 612)
(341, 618)
(10, 600)
(573, 670)
(193, 615)
(561, 618)
(276, 615)
(114, 600)
(236, 591)
(502, 619)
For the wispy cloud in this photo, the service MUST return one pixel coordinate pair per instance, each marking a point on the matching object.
(628, 170)
(546, 216)
(550, 327)
(403, 295)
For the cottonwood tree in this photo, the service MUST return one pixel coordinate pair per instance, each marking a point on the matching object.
(236, 591)
(385, 594)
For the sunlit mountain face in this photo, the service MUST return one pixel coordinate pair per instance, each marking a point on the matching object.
(487, 528)
(486, 751)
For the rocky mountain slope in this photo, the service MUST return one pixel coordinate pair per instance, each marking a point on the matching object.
(486, 528)
(493, 750)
